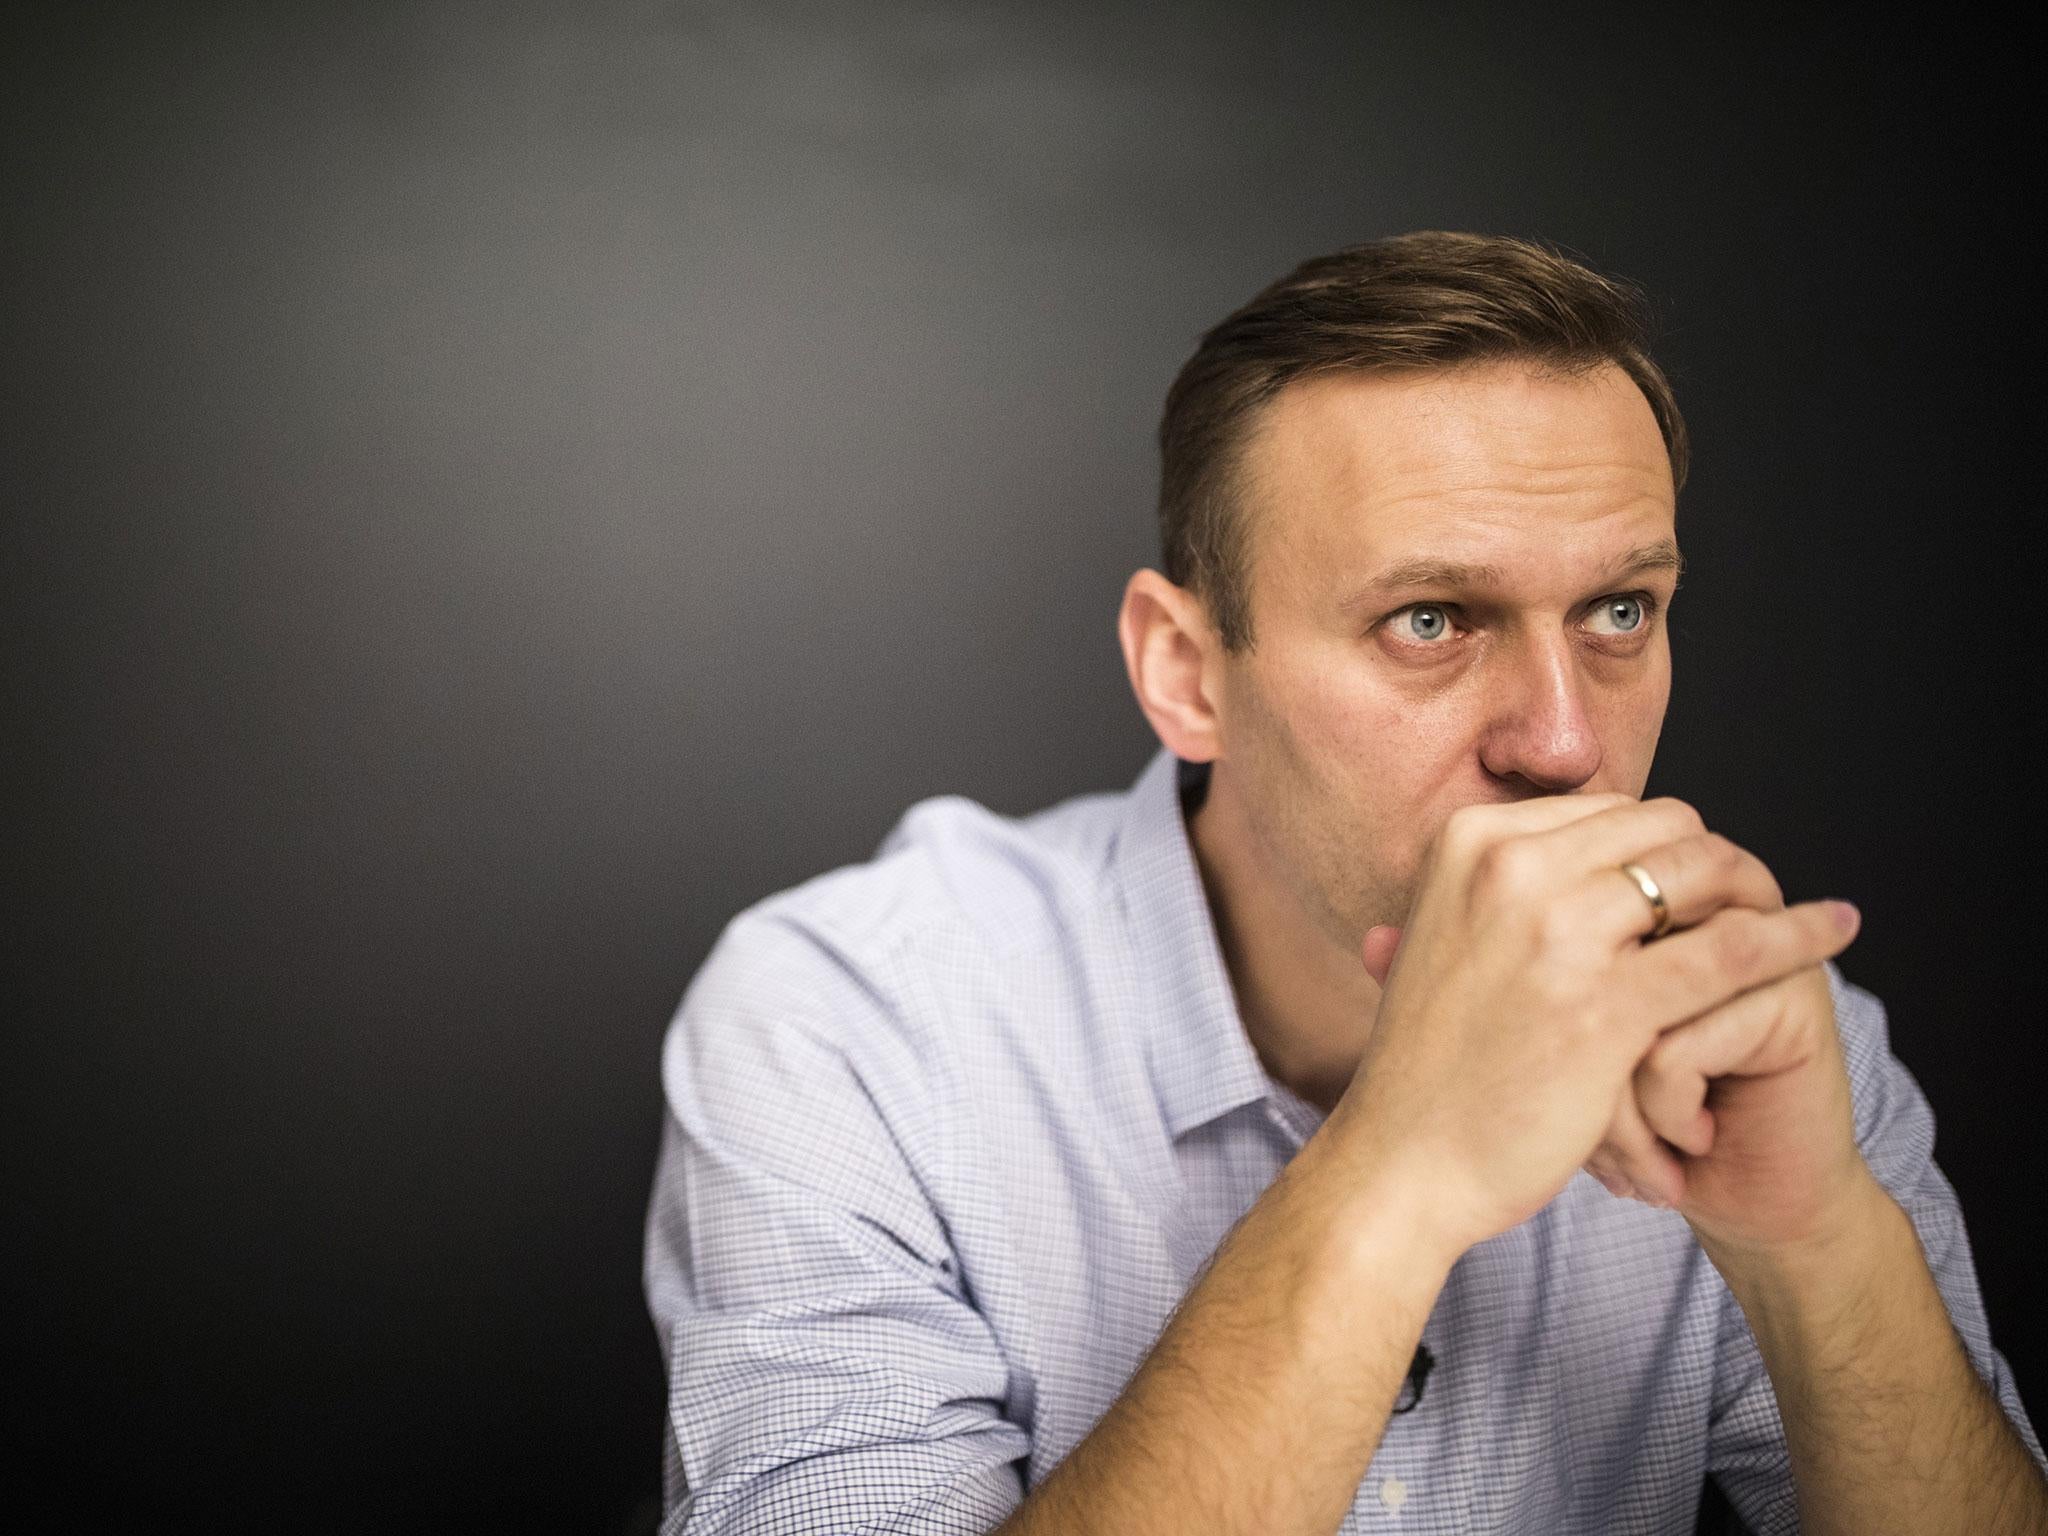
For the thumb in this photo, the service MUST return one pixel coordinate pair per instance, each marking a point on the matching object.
(1381, 941)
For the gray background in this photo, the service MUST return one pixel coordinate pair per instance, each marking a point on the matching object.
(491, 491)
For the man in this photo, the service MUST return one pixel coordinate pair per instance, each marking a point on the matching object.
(1133, 1166)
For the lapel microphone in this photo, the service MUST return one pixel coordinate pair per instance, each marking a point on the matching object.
(1418, 1373)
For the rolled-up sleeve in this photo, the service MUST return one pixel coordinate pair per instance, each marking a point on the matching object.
(1747, 1454)
(827, 1370)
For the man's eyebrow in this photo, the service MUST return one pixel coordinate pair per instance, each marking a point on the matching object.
(1437, 571)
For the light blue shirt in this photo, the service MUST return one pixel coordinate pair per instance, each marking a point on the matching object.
(951, 1132)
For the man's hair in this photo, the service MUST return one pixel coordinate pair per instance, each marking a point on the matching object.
(1433, 299)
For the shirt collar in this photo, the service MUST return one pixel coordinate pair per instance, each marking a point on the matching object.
(1201, 1061)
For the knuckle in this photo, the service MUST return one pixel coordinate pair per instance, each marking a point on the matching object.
(1553, 988)
(1763, 872)
(1594, 1028)
(1739, 947)
(1679, 814)
(1504, 869)
(1558, 927)
(1739, 869)
(1700, 968)
(1458, 837)
(1555, 926)
(1725, 852)
(1556, 988)
(1651, 1071)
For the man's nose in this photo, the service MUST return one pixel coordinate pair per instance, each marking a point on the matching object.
(1538, 729)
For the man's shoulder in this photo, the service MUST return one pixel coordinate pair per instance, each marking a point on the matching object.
(953, 879)
(957, 901)
(952, 871)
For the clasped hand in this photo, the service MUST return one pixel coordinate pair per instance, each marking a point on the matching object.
(1710, 1053)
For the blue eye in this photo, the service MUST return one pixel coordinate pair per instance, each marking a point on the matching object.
(1427, 624)
(1625, 605)
(1428, 634)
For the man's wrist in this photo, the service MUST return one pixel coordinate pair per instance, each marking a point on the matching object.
(1386, 1224)
(1859, 1220)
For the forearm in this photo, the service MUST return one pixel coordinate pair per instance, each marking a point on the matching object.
(1262, 1402)
(1888, 1426)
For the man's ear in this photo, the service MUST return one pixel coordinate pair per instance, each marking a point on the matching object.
(1171, 655)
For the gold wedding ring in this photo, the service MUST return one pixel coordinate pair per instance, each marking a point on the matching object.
(1658, 905)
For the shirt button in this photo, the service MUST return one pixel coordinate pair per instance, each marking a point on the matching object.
(1393, 1494)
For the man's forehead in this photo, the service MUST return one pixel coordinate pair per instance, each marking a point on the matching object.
(1458, 424)
(1595, 557)
(1356, 470)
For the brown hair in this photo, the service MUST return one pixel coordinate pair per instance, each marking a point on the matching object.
(1431, 299)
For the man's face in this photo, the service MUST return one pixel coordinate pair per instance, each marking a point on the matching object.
(1368, 712)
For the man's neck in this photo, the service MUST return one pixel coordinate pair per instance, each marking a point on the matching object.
(1306, 1003)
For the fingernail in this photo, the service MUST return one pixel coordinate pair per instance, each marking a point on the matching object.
(1846, 916)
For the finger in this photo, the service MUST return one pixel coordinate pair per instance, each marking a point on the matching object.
(1671, 1094)
(1623, 831)
(1752, 1036)
(1608, 1179)
(1471, 829)
(1639, 1156)
(1697, 875)
(1605, 1163)
(1381, 941)
(1534, 870)
(1684, 975)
